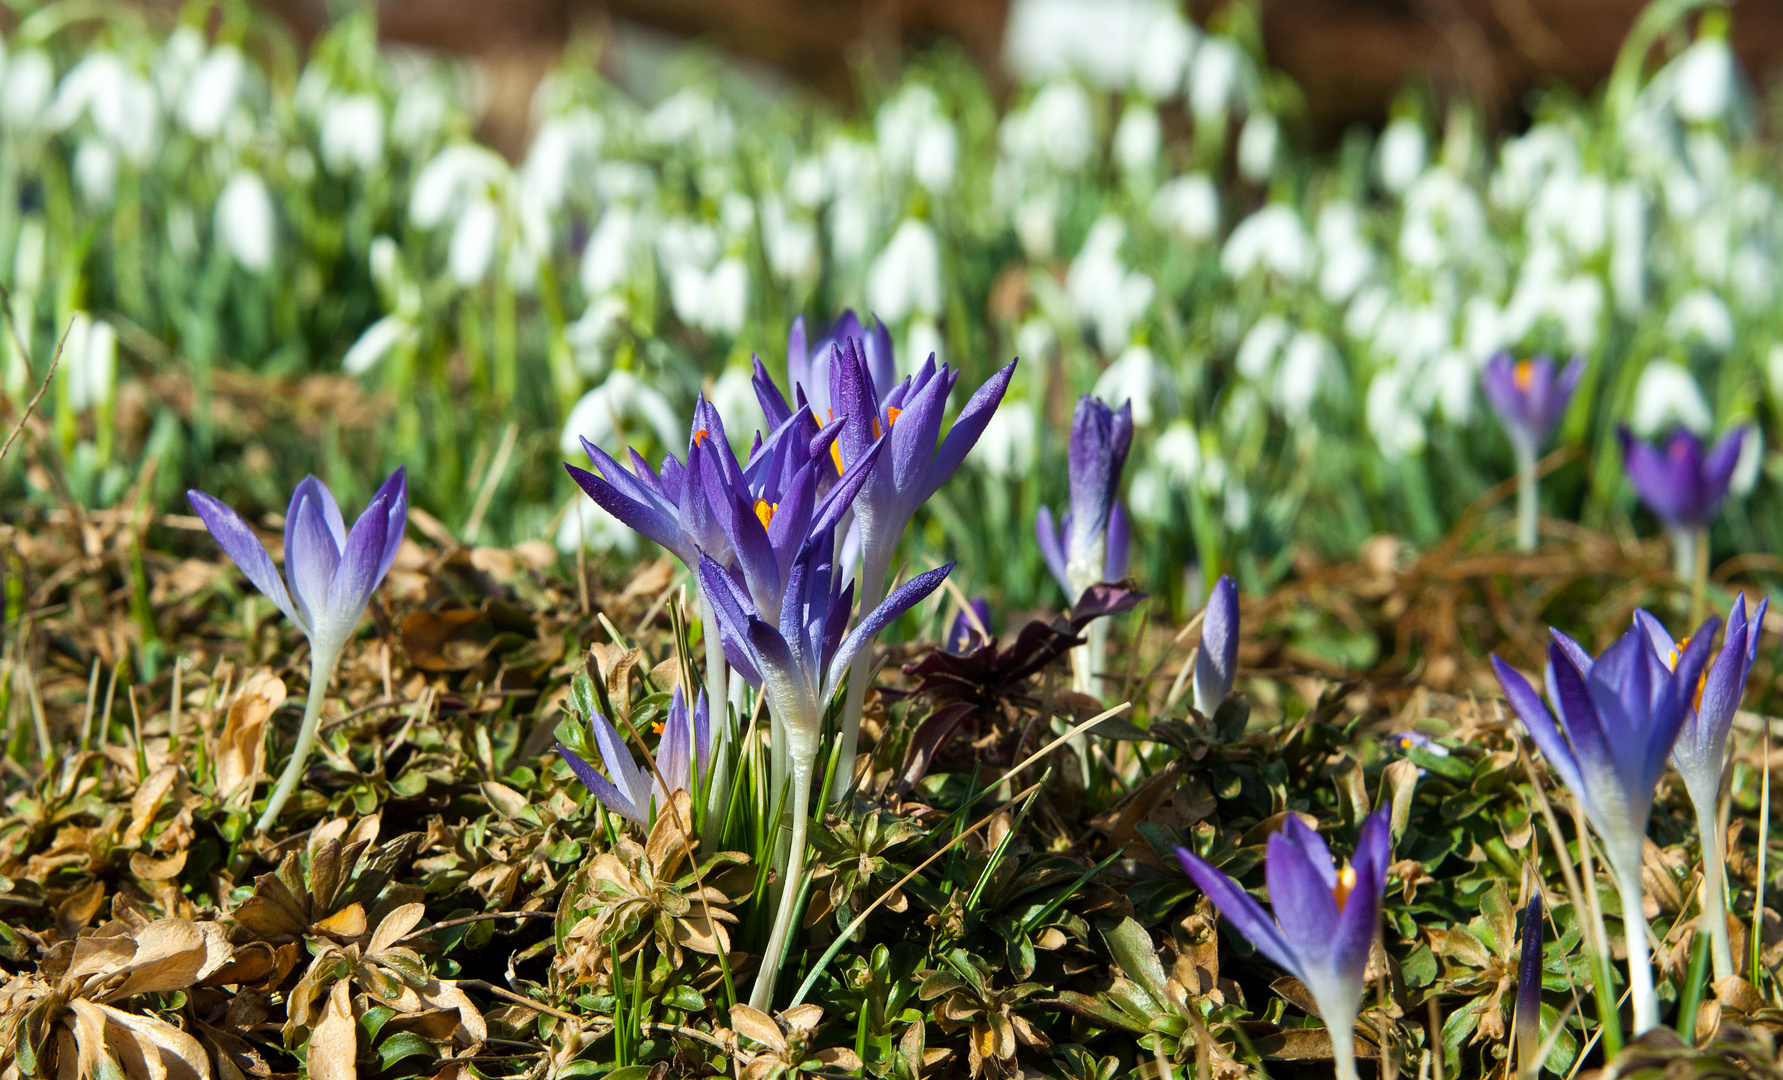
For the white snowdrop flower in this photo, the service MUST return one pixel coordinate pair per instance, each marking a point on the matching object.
(95, 173)
(377, 342)
(1587, 221)
(1668, 396)
(1305, 367)
(1101, 288)
(30, 79)
(1753, 276)
(694, 118)
(28, 259)
(1362, 319)
(90, 357)
(1684, 197)
(851, 226)
(906, 277)
(246, 221)
(791, 243)
(1059, 127)
(121, 104)
(1628, 246)
(1137, 376)
(1397, 429)
(1403, 150)
(300, 165)
(915, 136)
(733, 395)
(1137, 138)
(211, 91)
(687, 292)
(1178, 450)
(1346, 258)
(1149, 496)
(1041, 38)
(736, 212)
(726, 299)
(1745, 470)
(806, 184)
(589, 334)
(1257, 143)
(1702, 316)
(1036, 222)
(182, 52)
(586, 525)
(1443, 219)
(1709, 245)
(1273, 239)
(1188, 206)
(1216, 78)
(1482, 331)
(1526, 161)
(1705, 80)
(608, 258)
(182, 232)
(1259, 349)
(923, 341)
(1035, 340)
(608, 416)
(1579, 307)
(1006, 449)
(458, 175)
(384, 260)
(1452, 379)
(1238, 505)
(937, 156)
(1773, 370)
(563, 149)
(471, 251)
(420, 114)
(352, 134)
(1164, 50)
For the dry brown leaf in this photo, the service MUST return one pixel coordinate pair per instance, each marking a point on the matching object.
(240, 753)
(396, 926)
(158, 869)
(334, 1045)
(758, 1027)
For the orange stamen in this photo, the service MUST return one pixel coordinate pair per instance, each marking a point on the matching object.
(1346, 883)
(699, 437)
(891, 415)
(1524, 375)
(764, 511)
(1701, 680)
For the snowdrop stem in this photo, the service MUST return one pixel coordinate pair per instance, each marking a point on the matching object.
(763, 995)
(1713, 901)
(321, 673)
(872, 589)
(1634, 929)
(1528, 501)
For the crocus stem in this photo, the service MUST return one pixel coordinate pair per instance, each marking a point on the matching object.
(1343, 1048)
(1683, 553)
(321, 672)
(1634, 929)
(1714, 901)
(1699, 575)
(1528, 501)
(718, 781)
(763, 995)
(872, 583)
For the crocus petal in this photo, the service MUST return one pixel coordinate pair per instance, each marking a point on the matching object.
(1538, 722)
(967, 427)
(913, 437)
(1665, 480)
(602, 788)
(395, 494)
(1241, 910)
(675, 752)
(1717, 471)
(1119, 544)
(730, 606)
(902, 599)
(246, 551)
(311, 556)
(621, 769)
(358, 575)
(1300, 896)
(1052, 550)
(702, 733)
(649, 521)
(1359, 921)
(1216, 664)
(773, 403)
(1657, 635)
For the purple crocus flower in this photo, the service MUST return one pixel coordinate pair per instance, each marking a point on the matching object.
(1620, 715)
(1700, 754)
(1529, 397)
(1528, 1019)
(1094, 541)
(971, 631)
(1324, 920)
(631, 792)
(808, 370)
(1680, 484)
(797, 657)
(331, 575)
(1216, 663)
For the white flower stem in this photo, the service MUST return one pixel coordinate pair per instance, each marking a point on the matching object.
(1528, 500)
(1713, 901)
(718, 781)
(1634, 930)
(763, 995)
(321, 672)
(872, 583)
(1343, 1049)
(1683, 553)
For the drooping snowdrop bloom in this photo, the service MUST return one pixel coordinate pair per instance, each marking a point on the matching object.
(25, 91)
(1138, 378)
(1219, 78)
(89, 362)
(1258, 141)
(211, 91)
(1403, 151)
(1700, 754)
(562, 152)
(916, 138)
(122, 105)
(377, 341)
(1706, 80)
(1272, 239)
(1103, 292)
(1138, 138)
(906, 277)
(1620, 715)
(1188, 206)
(352, 134)
(246, 221)
(96, 172)
(637, 794)
(331, 575)
(1324, 920)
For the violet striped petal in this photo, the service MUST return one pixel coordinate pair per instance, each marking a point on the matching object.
(603, 790)
(1241, 910)
(244, 549)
